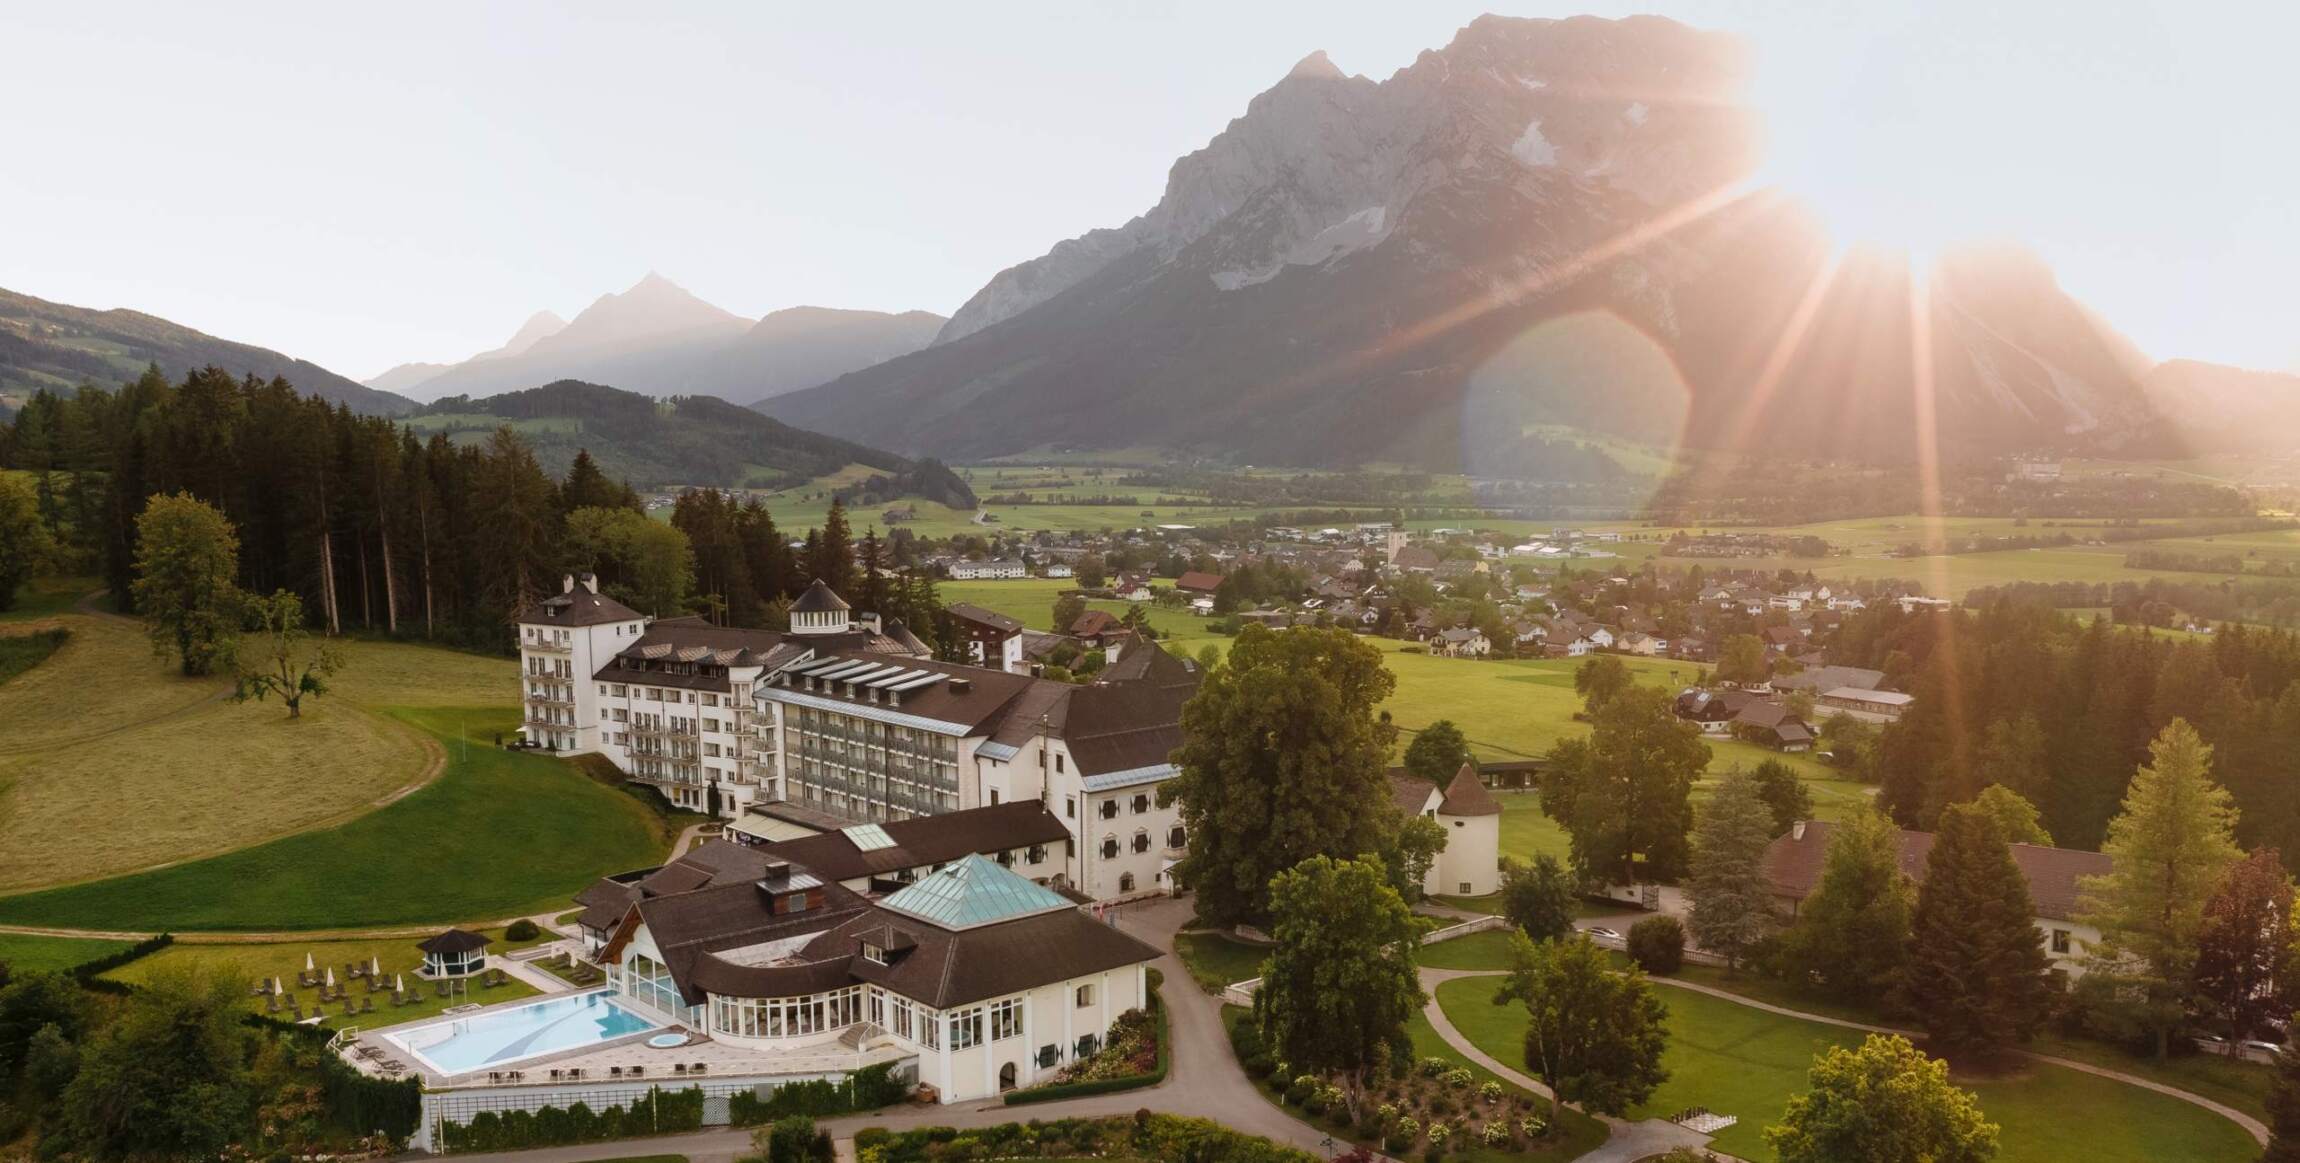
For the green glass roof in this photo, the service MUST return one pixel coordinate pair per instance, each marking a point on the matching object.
(975, 891)
(868, 837)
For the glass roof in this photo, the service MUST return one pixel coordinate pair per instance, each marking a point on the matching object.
(974, 891)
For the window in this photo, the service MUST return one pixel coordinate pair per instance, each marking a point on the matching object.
(1110, 809)
(1110, 847)
(966, 1028)
(1070, 807)
(1141, 803)
(1006, 1020)
(1141, 840)
(1465, 888)
(1058, 762)
(873, 953)
(2060, 942)
(1126, 882)
(1085, 995)
(1175, 838)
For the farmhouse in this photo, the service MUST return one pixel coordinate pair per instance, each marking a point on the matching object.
(1461, 642)
(1198, 582)
(1773, 725)
(991, 639)
(852, 720)
(1794, 862)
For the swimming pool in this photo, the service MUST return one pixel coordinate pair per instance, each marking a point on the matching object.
(510, 1036)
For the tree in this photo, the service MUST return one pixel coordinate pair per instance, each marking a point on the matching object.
(1851, 935)
(1410, 852)
(1800, 703)
(1625, 793)
(1593, 1036)
(276, 661)
(589, 488)
(2244, 955)
(1784, 793)
(1657, 944)
(34, 1001)
(2168, 848)
(1977, 978)
(2284, 1110)
(1537, 898)
(1067, 610)
(2013, 754)
(834, 552)
(1732, 896)
(1091, 572)
(187, 560)
(1882, 1103)
(2016, 818)
(1340, 983)
(1437, 752)
(25, 545)
(1599, 678)
(1851, 744)
(168, 1077)
(648, 564)
(1741, 660)
(1282, 759)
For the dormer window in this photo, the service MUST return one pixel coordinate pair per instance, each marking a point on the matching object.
(874, 954)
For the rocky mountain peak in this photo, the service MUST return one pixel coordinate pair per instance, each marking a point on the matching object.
(1316, 66)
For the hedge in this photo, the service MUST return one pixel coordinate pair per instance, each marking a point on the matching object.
(866, 1089)
(662, 1113)
(1055, 1090)
(1143, 1135)
(90, 974)
(357, 1104)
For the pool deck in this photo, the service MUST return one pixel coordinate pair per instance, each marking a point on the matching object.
(610, 1061)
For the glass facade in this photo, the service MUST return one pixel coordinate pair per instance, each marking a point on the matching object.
(865, 770)
(786, 1017)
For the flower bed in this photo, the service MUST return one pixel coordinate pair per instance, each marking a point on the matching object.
(1138, 1055)
(1144, 1135)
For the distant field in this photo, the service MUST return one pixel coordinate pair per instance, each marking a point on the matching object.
(500, 834)
(1740, 1061)
(106, 741)
(1032, 601)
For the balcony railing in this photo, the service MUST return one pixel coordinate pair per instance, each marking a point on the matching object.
(539, 646)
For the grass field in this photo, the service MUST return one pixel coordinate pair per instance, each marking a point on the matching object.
(1216, 961)
(1032, 601)
(250, 963)
(28, 648)
(499, 834)
(163, 768)
(44, 597)
(1487, 950)
(35, 954)
(1745, 1062)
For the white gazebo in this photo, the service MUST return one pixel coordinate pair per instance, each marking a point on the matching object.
(454, 953)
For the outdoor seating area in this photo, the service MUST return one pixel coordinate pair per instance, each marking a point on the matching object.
(321, 992)
(383, 1063)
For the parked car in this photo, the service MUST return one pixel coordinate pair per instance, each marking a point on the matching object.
(1602, 933)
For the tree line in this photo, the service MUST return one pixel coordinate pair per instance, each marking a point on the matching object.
(378, 530)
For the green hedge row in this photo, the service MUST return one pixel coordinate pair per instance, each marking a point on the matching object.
(866, 1089)
(1055, 1090)
(660, 1113)
(1143, 1135)
(90, 974)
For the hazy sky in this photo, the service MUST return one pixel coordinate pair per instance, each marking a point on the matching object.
(365, 185)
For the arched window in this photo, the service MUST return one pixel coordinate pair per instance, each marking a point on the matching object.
(1175, 837)
(1110, 847)
(1126, 882)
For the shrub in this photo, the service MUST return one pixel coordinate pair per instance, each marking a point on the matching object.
(1495, 1134)
(1403, 1134)
(1490, 1092)
(792, 1140)
(1433, 1066)
(1533, 1126)
(521, 930)
(1657, 945)
(1301, 1088)
(1460, 1078)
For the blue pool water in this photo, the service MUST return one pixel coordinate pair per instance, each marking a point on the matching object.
(485, 1041)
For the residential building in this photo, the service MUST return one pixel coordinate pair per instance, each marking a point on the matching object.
(990, 638)
(1794, 861)
(1004, 567)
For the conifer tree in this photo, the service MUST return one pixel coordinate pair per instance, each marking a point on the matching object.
(2169, 848)
(1977, 975)
(834, 553)
(1732, 897)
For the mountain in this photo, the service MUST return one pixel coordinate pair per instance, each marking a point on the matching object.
(406, 379)
(52, 345)
(1545, 223)
(653, 442)
(409, 379)
(658, 339)
(2229, 408)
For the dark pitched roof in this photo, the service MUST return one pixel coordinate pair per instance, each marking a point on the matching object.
(1794, 862)
(1411, 792)
(1094, 622)
(819, 599)
(455, 941)
(942, 968)
(1466, 795)
(579, 606)
(1712, 706)
(1776, 718)
(969, 612)
(924, 840)
(1198, 581)
(688, 925)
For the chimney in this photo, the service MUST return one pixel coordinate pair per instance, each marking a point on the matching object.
(870, 622)
(960, 686)
(567, 583)
(1797, 830)
(589, 582)
(1110, 651)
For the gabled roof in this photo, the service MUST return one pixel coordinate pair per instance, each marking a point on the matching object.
(578, 607)
(972, 893)
(854, 851)
(969, 612)
(1198, 581)
(1793, 864)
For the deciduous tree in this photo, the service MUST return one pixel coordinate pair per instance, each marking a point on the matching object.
(277, 659)
(1599, 678)
(1851, 935)
(1741, 660)
(1436, 752)
(1977, 977)
(1593, 1036)
(2169, 848)
(1625, 793)
(1281, 759)
(1537, 897)
(1732, 897)
(1340, 983)
(1784, 793)
(25, 545)
(187, 557)
(1882, 1103)
(2245, 961)
(2015, 817)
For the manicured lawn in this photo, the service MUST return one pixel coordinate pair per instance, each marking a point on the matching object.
(251, 963)
(185, 774)
(1744, 1062)
(1216, 961)
(33, 954)
(1487, 950)
(499, 834)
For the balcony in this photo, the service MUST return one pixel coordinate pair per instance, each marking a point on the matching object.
(549, 698)
(545, 646)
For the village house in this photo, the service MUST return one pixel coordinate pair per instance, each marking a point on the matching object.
(1461, 642)
(1004, 567)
